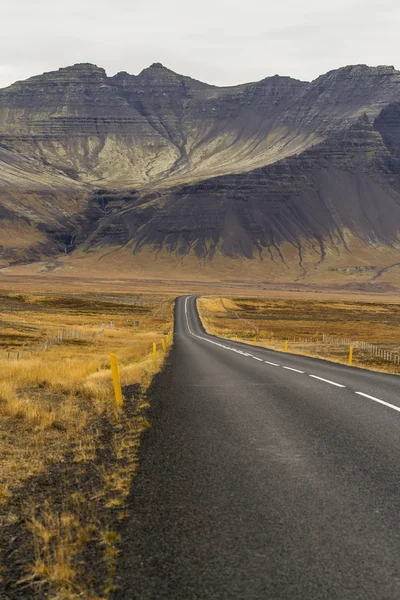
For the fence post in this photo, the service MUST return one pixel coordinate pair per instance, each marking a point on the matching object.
(116, 379)
(351, 355)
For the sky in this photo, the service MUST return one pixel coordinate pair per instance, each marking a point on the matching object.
(222, 42)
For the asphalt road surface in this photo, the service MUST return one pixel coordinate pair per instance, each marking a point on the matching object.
(265, 476)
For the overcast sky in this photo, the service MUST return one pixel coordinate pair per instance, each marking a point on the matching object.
(222, 42)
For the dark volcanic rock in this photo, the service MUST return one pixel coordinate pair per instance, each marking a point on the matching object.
(388, 125)
(336, 99)
(338, 185)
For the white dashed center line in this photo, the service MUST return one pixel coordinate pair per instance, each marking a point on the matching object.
(328, 381)
(380, 401)
(291, 369)
(242, 353)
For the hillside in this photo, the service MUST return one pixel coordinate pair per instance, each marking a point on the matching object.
(274, 180)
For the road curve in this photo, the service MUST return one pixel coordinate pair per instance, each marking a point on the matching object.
(265, 476)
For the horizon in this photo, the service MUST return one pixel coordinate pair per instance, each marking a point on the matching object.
(158, 63)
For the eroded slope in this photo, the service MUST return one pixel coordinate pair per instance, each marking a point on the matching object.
(280, 171)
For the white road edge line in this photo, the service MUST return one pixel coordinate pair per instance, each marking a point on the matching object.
(328, 381)
(295, 370)
(392, 406)
(380, 401)
(200, 337)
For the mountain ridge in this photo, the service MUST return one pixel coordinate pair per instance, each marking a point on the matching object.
(162, 162)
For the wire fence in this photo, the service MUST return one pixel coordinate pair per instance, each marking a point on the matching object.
(374, 349)
(63, 335)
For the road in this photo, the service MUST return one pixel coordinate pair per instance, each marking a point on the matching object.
(265, 476)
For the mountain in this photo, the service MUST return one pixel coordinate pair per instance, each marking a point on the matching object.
(278, 180)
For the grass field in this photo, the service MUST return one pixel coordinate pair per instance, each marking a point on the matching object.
(270, 322)
(67, 452)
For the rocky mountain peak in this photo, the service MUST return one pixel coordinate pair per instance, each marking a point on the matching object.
(157, 65)
(358, 72)
(78, 72)
(83, 67)
(157, 70)
(121, 75)
(336, 99)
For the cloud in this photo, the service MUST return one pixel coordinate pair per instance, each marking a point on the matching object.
(219, 41)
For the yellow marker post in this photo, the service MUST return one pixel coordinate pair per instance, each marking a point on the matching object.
(163, 344)
(154, 350)
(285, 349)
(116, 379)
(255, 339)
(351, 355)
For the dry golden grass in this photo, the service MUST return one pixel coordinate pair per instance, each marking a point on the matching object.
(97, 275)
(56, 402)
(53, 393)
(271, 322)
